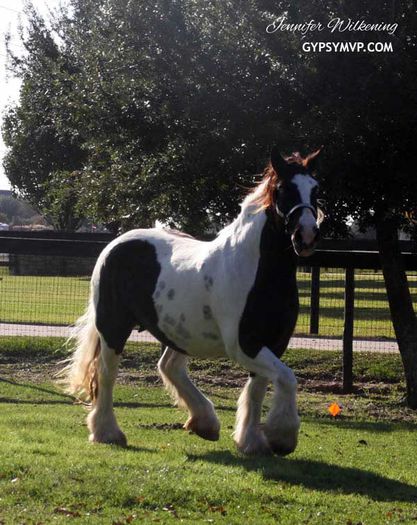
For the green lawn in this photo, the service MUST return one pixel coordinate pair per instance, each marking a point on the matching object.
(60, 300)
(372, 316)
(46, 300)
(358, 468)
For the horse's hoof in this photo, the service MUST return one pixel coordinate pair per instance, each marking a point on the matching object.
(118, 439)
(282, 441)
(280, 450)
(255, 446)
(211, 433)
(255, 450)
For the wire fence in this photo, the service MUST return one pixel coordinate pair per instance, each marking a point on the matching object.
(372, 327)
(43, 295)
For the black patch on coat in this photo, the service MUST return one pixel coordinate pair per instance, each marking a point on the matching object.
(127, 282)
(171, 294)
(182, 332)
(208, 282)
(207, 312)
(271, 309)
(169, 320)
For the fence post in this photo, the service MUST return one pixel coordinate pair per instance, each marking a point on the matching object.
(315, 300)
(348, 330)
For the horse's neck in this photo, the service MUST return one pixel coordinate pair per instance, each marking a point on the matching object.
(243, 234)
(254, 234)
(278, 261)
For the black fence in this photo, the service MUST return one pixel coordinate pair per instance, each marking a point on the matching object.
(44, 286)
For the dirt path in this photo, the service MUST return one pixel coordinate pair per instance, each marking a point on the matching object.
(313, 343)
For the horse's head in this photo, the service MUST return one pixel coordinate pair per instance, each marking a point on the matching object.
(296, 198)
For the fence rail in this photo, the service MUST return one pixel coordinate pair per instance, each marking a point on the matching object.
(329, 254)
(331, 311)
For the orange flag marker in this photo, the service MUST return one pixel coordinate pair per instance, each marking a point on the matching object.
(334, 409)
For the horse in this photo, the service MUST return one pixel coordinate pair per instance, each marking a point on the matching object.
(234, 296)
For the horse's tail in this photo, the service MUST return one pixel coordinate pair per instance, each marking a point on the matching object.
(79, 375)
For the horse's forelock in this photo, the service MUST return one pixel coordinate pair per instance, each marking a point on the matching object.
(264, 192)
(296, 158)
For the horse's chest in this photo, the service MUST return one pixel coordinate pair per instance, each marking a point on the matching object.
(270, 313)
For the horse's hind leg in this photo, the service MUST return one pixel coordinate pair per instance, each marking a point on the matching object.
(248, 434)
(203, 420)
(101, 420)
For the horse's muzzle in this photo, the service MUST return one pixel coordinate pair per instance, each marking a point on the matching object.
(304, 245)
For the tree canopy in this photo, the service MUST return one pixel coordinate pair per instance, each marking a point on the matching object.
(169, 106)
(164, 110)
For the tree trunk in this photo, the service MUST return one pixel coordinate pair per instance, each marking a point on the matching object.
(403, 317)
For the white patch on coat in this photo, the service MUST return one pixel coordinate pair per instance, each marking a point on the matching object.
(213, 277)
(305, 185)
(203, 320)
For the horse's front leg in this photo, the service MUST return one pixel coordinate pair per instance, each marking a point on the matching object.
(248, 434)
(202, 417)
(283, 422)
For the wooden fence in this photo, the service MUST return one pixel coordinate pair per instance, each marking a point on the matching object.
(347, 254)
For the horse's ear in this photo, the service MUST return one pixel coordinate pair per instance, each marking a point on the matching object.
(313, 159)
(277, 161)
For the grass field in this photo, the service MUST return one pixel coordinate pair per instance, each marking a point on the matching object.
(358, 468)
(60, 300)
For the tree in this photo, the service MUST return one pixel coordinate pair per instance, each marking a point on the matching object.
(39, 144)
(171, 103)
(13, 210)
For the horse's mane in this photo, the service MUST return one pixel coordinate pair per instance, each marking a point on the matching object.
(263, 193)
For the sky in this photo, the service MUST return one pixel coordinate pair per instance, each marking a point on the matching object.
(11, 14)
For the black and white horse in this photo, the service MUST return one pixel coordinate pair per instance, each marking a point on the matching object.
(235, 296)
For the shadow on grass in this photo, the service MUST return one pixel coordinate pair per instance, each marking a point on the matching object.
(37, 388)
(67, 399)
(13, 401)
(335, 312)
(367, 426)
(317, 475)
